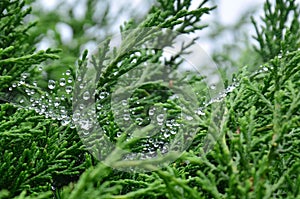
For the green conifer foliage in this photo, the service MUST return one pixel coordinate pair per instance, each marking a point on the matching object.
(17, 53)
(257, 135)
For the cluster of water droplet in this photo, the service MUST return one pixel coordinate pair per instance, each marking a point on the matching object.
(56, 102)
(221, 96)
(28, 94)
(88, 111)
(159, 142)
(160, 138)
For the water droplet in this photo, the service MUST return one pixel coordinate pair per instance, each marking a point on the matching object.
(139, 120)
(51, 84)
(68, 89)
(22, 81)
(62, 82)
(160, 118)
(151, 111)
(24, 75)
(124, 102)
(63, 115)
(68, 72)
(85, 124)
(91, 112)
(199, 111)
(62, 98)
(66, 121)
(10, 88)
(230, 88)
(76, 116)
(102, 95)
(14, 85)
(86, 95)
(81, 106)
(70, 80)
(72, 126)
(126, 117)
(213, 87)
(166, 135)
(99, 107)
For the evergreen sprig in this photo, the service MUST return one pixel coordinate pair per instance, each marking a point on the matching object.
(256, 135)
(279, 32)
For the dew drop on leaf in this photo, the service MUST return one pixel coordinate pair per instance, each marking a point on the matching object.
(70, 80)
(151, 111)
(68, 72)
(85, 125)
(126, 117)
(160, 118)
(66, 121)
(76, 116)
(166, 135)
(102, 95)
(62, 98)
(81, 106)
(51, 84)
(24, 75)
(62, 82)
(199, 111)
(22, 81)
(99, 107)
(124, 102)
(213, 87)
(68, 89)
(86, 95)
(139, 121)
